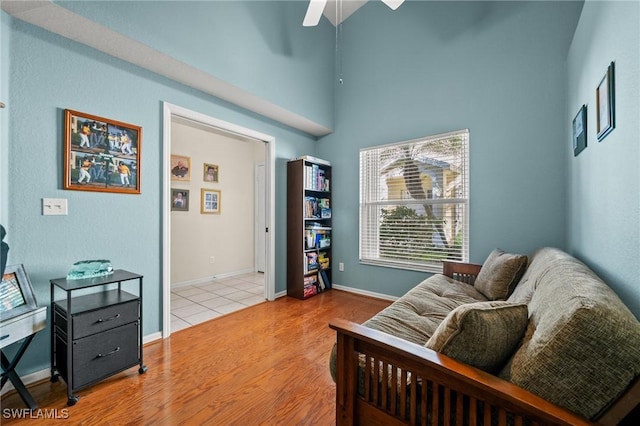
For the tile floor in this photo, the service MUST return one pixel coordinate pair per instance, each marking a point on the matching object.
(197, 303)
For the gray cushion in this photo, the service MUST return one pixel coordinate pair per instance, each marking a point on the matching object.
(582, 345)
(500, 274)
(482, 334)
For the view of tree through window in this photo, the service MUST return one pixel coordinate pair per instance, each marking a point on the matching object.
(414, 202)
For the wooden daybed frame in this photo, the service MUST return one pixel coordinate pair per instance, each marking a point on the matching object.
(431, 385)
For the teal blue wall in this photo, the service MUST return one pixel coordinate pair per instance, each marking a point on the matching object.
(604, 180)
(431, 67)
(49, 73)
(259, 46)
(5, 35)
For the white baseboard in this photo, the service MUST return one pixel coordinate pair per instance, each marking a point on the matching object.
(151, 337)
(364, 292)
(212, 277)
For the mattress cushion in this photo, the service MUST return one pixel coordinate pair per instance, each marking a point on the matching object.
(416, 315)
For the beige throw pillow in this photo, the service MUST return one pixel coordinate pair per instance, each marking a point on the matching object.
(482, 334)
(500, 274)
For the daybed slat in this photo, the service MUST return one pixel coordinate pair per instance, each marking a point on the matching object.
(487, 414)
(367, 377)
(502, 417)
(403, 394)
(424, 401)
(459, 414)
(413, 400)
(394, 390)
(447, 406)
(385, 387)
(473, 411)
(436, 403)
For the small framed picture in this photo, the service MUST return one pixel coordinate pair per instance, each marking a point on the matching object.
(101, 154)
(580, 131)
(605, 104)
(180, 168)
(179, 200)
(210, 173)
(210, 201)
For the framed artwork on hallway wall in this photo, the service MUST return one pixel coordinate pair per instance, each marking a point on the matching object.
(101, 154)
(210, 201)
(179, 199)
(210, 173)
(180, 168)
(605, 104)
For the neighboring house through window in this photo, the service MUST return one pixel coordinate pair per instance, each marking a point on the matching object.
(414, 202)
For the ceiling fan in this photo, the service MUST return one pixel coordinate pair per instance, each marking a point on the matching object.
(317, 7)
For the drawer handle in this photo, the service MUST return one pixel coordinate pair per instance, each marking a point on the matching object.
(4, 337)
(117, 349)
(116, 316)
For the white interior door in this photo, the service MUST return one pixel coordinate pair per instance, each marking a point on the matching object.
(260, 218)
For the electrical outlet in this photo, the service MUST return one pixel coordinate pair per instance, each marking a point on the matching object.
(341, 267)
(211, 260)
(54, 206)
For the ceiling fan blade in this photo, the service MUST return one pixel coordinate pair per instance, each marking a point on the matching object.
(393, 4)
(314, 13)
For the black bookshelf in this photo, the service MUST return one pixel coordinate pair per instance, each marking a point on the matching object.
(308, 227)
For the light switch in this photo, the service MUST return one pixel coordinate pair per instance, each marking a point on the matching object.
(54, 206)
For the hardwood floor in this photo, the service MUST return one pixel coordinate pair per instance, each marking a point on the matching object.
(267, 364)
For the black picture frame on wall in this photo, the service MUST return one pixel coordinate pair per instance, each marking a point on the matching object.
(605, 104)
(580, 131)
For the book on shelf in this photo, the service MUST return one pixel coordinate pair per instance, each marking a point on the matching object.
(321, 285)
(310, 291)
(325, 278)
(317, 237)
(311, 209)
(311, 262)
(324, 205)
(323, 260)
(315, 178)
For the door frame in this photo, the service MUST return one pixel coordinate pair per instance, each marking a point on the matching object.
(256, 215)
(169, 111)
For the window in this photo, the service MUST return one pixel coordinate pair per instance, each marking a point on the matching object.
(414, 202)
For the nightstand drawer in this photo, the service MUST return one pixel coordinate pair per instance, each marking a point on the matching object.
(96, 321)
(99, 356)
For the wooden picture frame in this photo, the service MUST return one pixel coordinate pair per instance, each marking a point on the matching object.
(179, 200)
(210, 201)
(210, 173)
(101, 154)
(580, 131)
(605, 104)
(180, 168)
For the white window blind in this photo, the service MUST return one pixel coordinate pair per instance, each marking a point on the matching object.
(414, 202)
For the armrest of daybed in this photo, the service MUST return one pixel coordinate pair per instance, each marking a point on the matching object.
(461, 271)
(425, 387)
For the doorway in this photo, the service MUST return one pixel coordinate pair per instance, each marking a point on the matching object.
(173, 113)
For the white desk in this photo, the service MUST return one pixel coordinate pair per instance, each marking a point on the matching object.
(13, 330)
